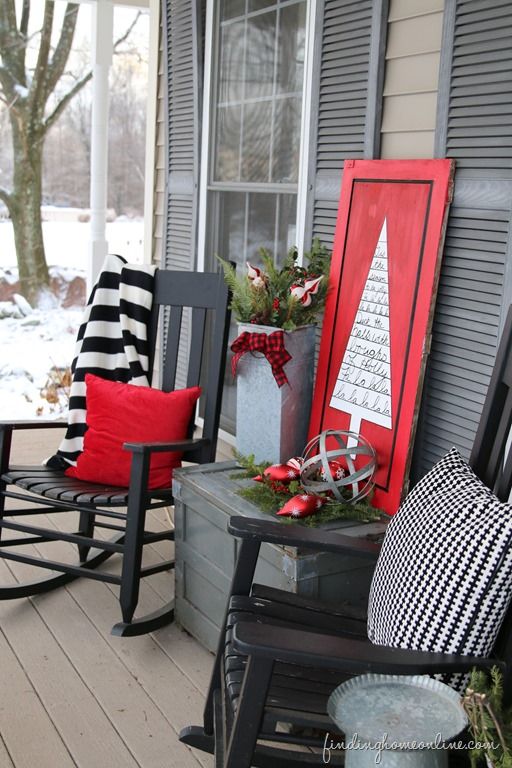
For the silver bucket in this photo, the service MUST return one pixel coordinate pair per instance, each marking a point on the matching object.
(272, 422)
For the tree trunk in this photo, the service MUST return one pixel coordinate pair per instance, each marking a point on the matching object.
(26, 220)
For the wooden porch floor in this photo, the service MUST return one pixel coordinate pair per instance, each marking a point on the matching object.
(71, 694)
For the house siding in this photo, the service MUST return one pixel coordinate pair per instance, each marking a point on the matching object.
(411, 78)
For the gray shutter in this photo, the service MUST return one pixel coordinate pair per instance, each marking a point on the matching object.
(475, 128)
(350, 44)
(182, 52)
(182, 55)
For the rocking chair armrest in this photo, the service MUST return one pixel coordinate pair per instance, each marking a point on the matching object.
(298, 536)
(185, 445)
(34, 424)
(312, 649)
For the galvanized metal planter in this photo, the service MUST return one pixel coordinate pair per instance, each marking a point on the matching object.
(271, 421)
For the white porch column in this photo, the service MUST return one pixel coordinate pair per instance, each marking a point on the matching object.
(102, 33)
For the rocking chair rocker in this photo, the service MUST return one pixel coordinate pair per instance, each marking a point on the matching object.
(280, 655)
(99, 507)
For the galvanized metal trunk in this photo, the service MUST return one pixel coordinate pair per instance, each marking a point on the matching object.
(205, 498)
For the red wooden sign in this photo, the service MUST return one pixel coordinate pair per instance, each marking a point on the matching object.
(378, 317)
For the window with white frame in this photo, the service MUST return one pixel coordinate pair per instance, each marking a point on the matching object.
(255, 118)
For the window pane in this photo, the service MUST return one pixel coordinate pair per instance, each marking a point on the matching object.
(259, 63)
(231, 228)
(292, 35)
(285, 163)
(286, 225)
(270, 224)
(256, 141)
(257, 5)
(261, 231)
(231, 62)
(227, 152)
(230, 8)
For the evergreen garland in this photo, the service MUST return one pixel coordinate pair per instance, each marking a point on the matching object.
(264, 496)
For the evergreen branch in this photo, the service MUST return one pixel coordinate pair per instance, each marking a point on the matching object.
(249, 465)
(490, 725)
(269, 501)
(54, 116)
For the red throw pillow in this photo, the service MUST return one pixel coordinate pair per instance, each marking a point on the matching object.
(124, 413)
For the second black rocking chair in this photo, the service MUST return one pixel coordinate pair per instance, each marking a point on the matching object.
(280, 655)
(122, 510)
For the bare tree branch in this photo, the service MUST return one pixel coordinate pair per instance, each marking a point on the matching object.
(25, 15)
(54, 116)
(128, 32)
(40, 71)
(6, 197)
(10, 104)
(63, 48)
(11, 45)
(8, 15)
(8, 86)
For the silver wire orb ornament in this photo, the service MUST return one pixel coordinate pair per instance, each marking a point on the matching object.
(320, 470)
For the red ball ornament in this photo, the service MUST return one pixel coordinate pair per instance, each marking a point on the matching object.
(302, 505)
(283, 473)
(337, 471)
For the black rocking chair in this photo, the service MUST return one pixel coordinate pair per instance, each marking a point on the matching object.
(120, 509)
(280, 655)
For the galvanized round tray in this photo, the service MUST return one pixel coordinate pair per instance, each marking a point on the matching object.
(401, 709)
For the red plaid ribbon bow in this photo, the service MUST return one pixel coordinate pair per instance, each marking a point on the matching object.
(271, 345)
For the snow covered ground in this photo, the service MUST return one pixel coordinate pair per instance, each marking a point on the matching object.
(66, 242)
(34, 341)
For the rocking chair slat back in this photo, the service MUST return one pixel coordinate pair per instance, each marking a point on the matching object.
(489, 455)
(171, 348)
(198, 329)
(207, 343)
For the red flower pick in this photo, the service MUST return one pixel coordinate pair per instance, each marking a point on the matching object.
(304, 293)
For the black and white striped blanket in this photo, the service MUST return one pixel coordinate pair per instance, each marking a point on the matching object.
(112, 342)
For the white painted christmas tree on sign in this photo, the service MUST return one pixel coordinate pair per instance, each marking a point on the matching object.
(363, 386)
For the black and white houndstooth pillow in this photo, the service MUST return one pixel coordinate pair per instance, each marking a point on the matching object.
(443, 580)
